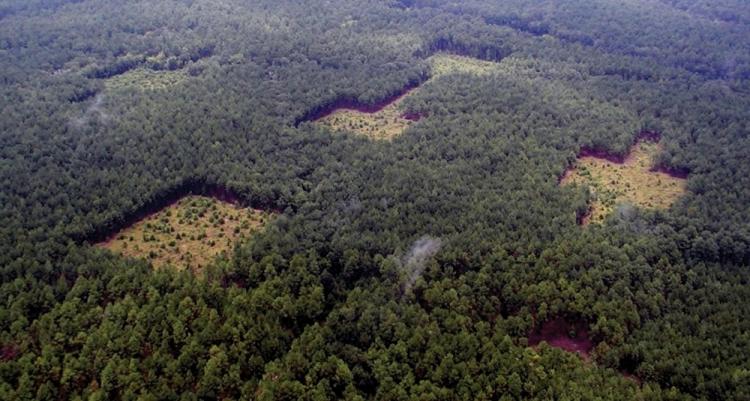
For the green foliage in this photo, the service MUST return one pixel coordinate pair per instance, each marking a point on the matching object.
(315, 307)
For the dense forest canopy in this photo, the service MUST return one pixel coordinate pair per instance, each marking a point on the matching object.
(408, 269)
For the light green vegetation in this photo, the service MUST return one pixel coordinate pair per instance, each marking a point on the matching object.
(145, 79)
(188, 234)
(389, 122)
(632, 182)
(444, 64)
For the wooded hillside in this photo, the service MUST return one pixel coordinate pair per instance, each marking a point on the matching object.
(408, 269)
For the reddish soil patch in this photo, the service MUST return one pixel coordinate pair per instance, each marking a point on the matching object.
(9, 352)
(635, 379)
(327, 109)
(412, 116)
(652, 136)
(604, 154)
(643, 136)
(601, 154)
(559, 333)
(583, 219)
(565, 175)
(672, 172)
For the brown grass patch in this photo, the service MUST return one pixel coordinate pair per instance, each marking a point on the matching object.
(631, 181)
(188, 234)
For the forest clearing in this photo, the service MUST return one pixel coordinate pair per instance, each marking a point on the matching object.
(447, 63)
(388, 120)
(375, 200)
(145, 79)
(382, 124)
(559, 333)
(190, 232)
(630, 181)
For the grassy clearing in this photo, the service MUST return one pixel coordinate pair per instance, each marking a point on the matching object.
(630, 182)
(188, 234)
(389, 122)
(384, 124)
(444, 64)
(146, 79)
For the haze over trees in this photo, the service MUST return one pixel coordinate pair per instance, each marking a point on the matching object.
(408, 269)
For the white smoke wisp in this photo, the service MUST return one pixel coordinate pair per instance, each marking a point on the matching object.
(97, 108)
(627, 216)
(95, 111)
(416, 259)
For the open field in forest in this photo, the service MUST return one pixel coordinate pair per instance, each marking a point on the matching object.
(632, 181)
(383, 124)
(189, 233)
(391, 120)
(444, 64)
(145, 79)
